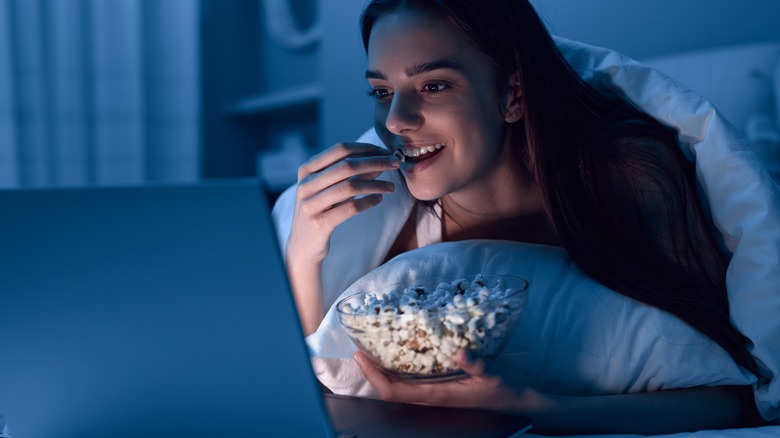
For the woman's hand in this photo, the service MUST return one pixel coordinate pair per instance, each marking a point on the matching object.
(651, 413)
(487, 387)
(333, 186)
(328, 184)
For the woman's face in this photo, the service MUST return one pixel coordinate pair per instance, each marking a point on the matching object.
(437, 102)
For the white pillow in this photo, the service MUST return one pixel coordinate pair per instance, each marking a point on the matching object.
(575, 336)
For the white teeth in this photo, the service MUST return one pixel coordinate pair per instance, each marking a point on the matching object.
(422, 150)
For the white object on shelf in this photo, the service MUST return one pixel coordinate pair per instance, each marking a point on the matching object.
(282, 28)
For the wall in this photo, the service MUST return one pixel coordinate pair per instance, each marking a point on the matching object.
(346, 109)
(645, 28)
(639, 28)
(242, 67)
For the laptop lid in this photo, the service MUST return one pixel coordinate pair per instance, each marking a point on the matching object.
(149, 311)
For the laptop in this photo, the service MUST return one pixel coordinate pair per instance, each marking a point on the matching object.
(166, 311)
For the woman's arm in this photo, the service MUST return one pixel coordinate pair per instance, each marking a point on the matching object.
(333, 186)
(645, 413)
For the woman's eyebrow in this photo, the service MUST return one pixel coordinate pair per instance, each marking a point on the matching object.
(424, 67)
(420, 68)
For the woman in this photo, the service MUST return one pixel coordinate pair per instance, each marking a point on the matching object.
(502, 140)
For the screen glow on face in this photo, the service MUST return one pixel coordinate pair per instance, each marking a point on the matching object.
(436, 103)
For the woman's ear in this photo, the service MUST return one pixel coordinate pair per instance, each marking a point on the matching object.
(512, 104)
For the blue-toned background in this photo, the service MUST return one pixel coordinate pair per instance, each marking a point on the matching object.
(132, 91)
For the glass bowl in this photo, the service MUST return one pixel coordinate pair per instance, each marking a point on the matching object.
(413, 331)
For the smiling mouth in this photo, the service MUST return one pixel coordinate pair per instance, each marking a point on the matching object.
(416, 155)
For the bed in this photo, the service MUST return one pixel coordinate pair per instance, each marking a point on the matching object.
(745, 205)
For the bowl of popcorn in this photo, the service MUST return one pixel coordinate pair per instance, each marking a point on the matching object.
(414, 330)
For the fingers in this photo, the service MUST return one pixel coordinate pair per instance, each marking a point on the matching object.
(389, 389)
(341, 182)
(333, 186)
(469, 363)
(356, 175)
(350, 177)
(453, 393)
(349, 194)
(344, 210)
(481, 389)
(338, 153)
(378, 379)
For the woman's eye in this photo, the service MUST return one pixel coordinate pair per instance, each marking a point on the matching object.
(378, 93)
(435, 87)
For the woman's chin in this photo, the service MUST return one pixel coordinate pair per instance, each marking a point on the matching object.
(424, 194)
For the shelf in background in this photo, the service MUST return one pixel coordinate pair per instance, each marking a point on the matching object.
(276, 101)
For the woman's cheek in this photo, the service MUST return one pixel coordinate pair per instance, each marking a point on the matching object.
(380, 124)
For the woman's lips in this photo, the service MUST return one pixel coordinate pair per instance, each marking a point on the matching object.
(413, 165)
(424, 157)
(417, 154)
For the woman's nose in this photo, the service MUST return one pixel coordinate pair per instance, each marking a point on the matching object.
(403, 115)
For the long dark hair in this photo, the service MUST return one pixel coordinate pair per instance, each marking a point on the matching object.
(616, 187)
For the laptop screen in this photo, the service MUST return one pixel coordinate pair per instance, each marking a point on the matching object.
(149, 311)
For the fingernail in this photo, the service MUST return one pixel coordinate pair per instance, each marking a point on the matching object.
(394, 161)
